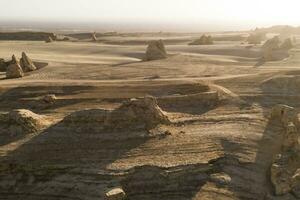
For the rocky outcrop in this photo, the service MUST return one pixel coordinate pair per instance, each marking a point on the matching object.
(156, 50)
(142, 113)
(23, 121)
(14, 71)
(203, 40)
(286, 164)
(26, 63)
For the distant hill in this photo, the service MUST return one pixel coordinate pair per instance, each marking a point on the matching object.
(281, 29)
(32, 36)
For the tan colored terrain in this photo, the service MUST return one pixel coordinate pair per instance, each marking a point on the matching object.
(218, 141)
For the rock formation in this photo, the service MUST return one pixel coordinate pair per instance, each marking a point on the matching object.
(14, 71)
(49, 40)
(142, 113)
(286, 164)
(24, 121)
(287, 44)
(94, 37)
(156, 50)
(14, 60)
(203, 40)
(115, 194)
(26, 63)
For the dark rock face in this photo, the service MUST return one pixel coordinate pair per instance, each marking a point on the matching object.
(156, 50)
(14, 71)
(3, 65)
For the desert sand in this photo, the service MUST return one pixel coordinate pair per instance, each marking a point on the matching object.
(211, 134)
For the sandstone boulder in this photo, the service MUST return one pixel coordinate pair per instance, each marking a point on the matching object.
(26, 63)
(156, 50)
(203, 40)
(49, 99)
(115, 194)
(14, 71)
(25, 121)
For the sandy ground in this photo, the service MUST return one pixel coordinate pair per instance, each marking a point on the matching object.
(233, 137)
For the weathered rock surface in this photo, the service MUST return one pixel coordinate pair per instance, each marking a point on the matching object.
(14, 71)
(26, 63)
(142, 113)
(156, 50)
(203, 40)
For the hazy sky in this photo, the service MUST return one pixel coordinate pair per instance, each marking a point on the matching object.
(231, 13)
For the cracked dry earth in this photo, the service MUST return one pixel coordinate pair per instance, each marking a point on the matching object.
(212, 148)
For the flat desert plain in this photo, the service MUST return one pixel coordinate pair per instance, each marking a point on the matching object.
(206, 131)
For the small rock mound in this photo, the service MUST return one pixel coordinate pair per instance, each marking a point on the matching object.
(14, 71)
(203, 40)
(49, 99)
(26, 63)
(25, 121)
(142, 113)
(139, 113)
(156, 50)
